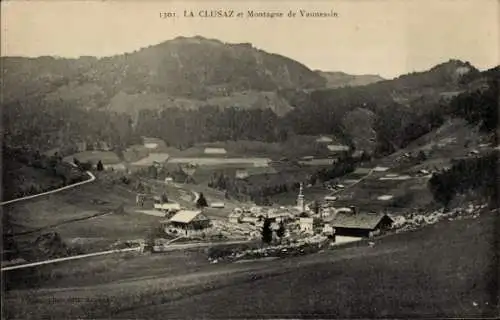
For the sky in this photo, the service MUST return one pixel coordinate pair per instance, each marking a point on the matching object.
(385, 37)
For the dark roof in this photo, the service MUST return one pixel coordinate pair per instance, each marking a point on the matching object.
(358, 220)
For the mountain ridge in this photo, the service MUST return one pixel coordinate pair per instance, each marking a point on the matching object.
(190, 83)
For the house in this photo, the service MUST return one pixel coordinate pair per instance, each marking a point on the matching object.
(337, 147)
(241, 174)
(328, 230)
(218, 205)
(324, 139)
(115, 167)
(215, 151)
(169, 180)
(150, 143)
(235, 217)
(168, 206)
(251, 220)
(102, 146)
(81, 146)
(281, 216)
(306, 224)
(188, 222)
(330, 198)
(345, 210)
(360, 224)
(326, 213)
(255, 210)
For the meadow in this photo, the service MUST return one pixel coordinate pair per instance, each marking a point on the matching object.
(90, 217)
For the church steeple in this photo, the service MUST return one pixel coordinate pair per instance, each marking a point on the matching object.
(300, 199)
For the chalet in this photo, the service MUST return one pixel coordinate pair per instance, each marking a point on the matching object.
(115, 167)
(328, 230)
(168, 206)
(324, 139)
(150, 143)
(235, 217)
(306, 224)
(169, 180)
(330, 198)
(217, 205)
(360, 224)
(337, 148)
(102, 146)
(81, 146)
(188, 222)
(327, 212)
(281, 216)
(251, 220)
(241, 174)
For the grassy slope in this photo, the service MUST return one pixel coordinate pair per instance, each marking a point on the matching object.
(444, 270)
(442, 145)
(60, 208)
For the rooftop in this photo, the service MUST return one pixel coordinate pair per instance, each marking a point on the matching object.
(358, 220)
(187, 216)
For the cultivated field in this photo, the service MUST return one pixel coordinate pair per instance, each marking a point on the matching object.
(256, 162)
(294, 147)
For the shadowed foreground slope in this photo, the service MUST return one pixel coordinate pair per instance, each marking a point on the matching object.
(445, 270)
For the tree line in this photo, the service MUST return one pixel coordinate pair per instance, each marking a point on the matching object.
(57, 172)
(259, 188)
(477, 174)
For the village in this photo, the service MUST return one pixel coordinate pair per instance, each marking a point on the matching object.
(303, 223)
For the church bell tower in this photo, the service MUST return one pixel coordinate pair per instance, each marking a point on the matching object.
(300, 199)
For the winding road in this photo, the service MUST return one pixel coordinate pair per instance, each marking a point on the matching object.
(92, 178)
(171, 247)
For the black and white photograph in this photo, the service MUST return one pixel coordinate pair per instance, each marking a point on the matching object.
(210, 159)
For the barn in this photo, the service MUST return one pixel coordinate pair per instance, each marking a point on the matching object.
(189, 222)
(360, 224)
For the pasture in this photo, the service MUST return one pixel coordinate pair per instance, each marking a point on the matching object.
(96, 214)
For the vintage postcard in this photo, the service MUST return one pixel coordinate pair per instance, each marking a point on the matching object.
(209, 159)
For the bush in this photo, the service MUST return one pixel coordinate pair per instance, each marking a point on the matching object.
(267, 233)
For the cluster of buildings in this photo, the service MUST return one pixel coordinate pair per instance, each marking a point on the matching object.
(300, 220)
(329, 220)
